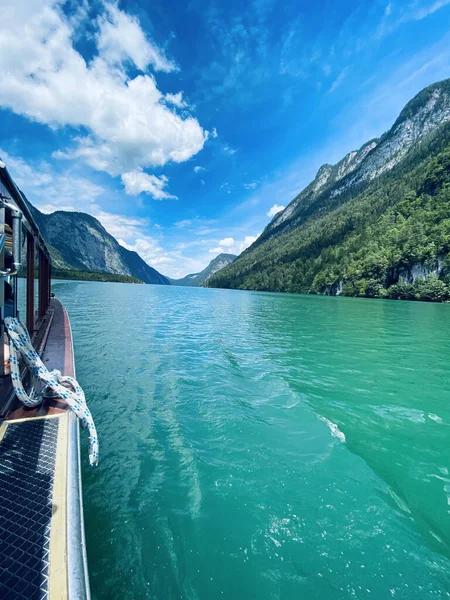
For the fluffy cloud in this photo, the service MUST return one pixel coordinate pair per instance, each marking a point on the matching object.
(125, 121)
(121, 226)
(136, 182)
(51, 190)
(232, 246)
(150, 250)
(176, 100)
(227, 242)
(276, 208)
(121, 38)
(248, 241)
(199, 169)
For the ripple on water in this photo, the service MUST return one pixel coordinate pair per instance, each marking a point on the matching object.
(217, 477)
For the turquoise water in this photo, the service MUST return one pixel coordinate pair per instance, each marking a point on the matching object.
(268, 446)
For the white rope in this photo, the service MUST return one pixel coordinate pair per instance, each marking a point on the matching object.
(21, 346)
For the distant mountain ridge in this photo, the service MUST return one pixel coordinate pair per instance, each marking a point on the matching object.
(79, 241)
(376, 224)
(198, 279)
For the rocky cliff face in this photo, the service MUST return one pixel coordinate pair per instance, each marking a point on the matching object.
(410, 274)
(421, 116)
(198, 279)
(79, 241)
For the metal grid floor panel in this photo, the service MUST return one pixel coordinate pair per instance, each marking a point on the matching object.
(27, 463)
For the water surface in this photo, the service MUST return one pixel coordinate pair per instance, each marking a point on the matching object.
(268, 446)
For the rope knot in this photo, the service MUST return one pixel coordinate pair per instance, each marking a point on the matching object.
(20, 345)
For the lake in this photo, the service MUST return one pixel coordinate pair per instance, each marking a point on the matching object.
(267, 446)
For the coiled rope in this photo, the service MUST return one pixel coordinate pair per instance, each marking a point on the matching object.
(21, 346)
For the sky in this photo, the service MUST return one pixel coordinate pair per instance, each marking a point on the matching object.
(184, 126)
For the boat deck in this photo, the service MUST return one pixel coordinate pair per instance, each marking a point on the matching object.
(41, 528)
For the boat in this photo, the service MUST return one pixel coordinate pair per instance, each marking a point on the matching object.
(42, 542)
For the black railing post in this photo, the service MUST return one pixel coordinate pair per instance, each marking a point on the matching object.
(30, 283)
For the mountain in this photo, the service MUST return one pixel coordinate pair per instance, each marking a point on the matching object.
(375, 224)
(198, 279)
(79, 241)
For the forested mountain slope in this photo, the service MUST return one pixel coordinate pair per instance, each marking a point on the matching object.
(377, 224)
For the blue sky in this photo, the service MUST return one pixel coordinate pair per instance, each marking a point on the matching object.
(183, 125)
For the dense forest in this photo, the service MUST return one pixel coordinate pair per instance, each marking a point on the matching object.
(370, 241)
(92, 276)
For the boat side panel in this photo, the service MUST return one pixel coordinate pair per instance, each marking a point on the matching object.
(78, 569)
(77, 560)
(58, 352)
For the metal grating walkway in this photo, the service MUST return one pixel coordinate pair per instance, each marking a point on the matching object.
(27, 463)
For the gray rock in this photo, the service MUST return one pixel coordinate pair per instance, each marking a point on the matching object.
(79, 241)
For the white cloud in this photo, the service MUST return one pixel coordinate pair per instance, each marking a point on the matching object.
(121, 38)
(396, 14)
(136, 182)
(199, 169)
(338, 81)
(227, 242)
(248, 241)
(424, 11)
(127, 121)
(214, 133)
(50, 190)
(176, 100)
(420, 71)
(183, 223)
(276, 208)
(130, 232)
(251, 186)
(120, 226)
(228, 150)
(232, 246)
(50, 208)
(150, 250)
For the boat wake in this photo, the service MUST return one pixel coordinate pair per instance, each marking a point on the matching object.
(335, 431)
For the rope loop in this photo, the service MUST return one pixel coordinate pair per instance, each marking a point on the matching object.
(20, 345)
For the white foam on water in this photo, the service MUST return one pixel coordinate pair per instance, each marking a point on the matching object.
(434, 418)
(335, 431)
(187, 461)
